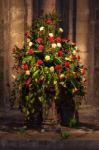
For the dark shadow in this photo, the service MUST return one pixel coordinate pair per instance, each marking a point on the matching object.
(87, 126)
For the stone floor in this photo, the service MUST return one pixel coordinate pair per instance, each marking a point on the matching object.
(13, 134)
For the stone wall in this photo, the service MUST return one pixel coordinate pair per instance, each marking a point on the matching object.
(17, 18)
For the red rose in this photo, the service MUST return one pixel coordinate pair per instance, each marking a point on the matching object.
(67, 63)
(30, 51)
(27, 34)
(51, 39)
(25, 67)
(58, 67)
(39, 40)
(39, 62)
(28, 81)
(58, 39)
(49, 21)
(60, 53)
(41, 47)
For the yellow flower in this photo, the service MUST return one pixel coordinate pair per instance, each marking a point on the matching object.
(60, 30)
(74, 90)
(47, 57)
(52, 69)
(27, 72)
(68, 58)
(74, 52)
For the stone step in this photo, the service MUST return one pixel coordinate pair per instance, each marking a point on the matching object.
(70, 144)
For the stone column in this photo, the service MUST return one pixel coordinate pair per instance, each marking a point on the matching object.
(82, 34)
(17, 27)
(1, 56)
(14, 21)
(71, 20)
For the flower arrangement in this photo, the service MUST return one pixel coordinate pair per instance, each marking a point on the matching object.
(47, 62)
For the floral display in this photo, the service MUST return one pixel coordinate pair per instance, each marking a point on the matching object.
(46, 62)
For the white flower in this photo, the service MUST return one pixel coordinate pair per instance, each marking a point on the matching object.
(47, 57)
(13, 76)
(41, 28)
(27, 72)
(60, 30)
(30, 44)
(59, 45)
(54, 45)
(52, 69)
(51, 34)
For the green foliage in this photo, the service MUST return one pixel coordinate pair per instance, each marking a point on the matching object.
(65, 134)
(72, 122)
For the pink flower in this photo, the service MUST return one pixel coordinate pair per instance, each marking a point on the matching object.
(39, 62)
(58, 67)
(30, 51)
(41, 47)
(60, 53)
(58, 39)
(25, 67)
(39, 40)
